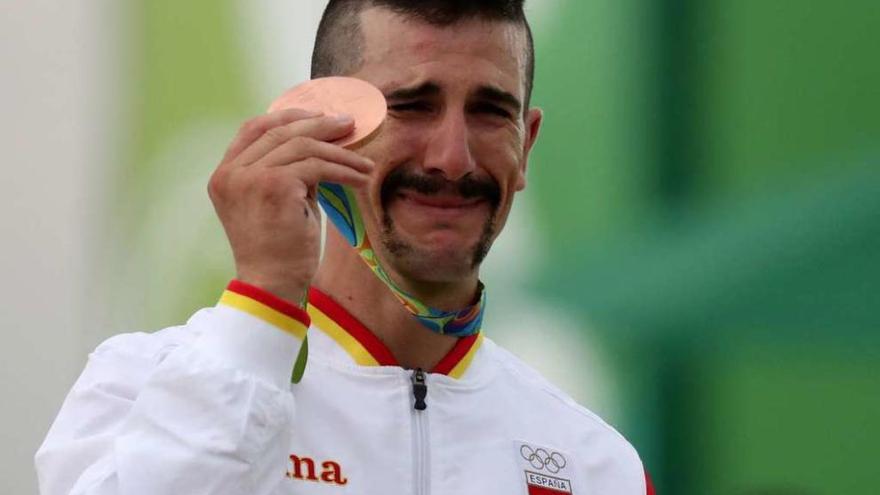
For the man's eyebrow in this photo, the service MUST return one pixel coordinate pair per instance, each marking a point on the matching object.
(500, 96)
(411, 93)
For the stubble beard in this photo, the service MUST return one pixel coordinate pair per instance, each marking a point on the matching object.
(423, 264)
(426, 265)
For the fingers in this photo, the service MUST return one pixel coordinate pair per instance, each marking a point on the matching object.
(254, 128)
(315, 170)
(288, 153)
(323, 128)
(301, 148)
(312, 171)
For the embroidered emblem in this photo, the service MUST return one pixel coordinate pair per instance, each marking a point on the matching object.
(543, 459)
(306, 469)
(545, 469)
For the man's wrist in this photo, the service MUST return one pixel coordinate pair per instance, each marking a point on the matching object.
(255, 331)
(296, 294)
(267, 306)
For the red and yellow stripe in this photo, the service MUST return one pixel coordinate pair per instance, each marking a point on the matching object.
(460, 357)
(366, 349)
(358, 341)
(267, 307)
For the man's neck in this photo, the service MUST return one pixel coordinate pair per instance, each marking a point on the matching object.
(350, 282)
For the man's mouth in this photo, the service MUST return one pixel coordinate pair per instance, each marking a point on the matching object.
(439, 209)
(439, 201)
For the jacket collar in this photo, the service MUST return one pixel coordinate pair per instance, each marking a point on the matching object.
(365, 348)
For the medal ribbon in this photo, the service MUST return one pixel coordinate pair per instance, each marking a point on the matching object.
(340, 206)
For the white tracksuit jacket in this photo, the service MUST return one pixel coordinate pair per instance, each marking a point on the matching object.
(208, 408)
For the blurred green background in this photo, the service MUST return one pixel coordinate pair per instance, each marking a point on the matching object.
(707, 193)
(710, 174)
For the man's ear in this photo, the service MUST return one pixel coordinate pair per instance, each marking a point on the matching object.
(533, 119)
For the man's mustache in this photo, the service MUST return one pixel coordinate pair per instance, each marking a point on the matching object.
(467, 187)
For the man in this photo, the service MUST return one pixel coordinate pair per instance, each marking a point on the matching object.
(208, 407)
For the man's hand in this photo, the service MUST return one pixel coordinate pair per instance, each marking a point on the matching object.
(265, 193)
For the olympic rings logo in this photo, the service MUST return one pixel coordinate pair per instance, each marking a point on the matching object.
(541, 459)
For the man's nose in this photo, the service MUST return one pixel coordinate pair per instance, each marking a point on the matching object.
(448, 150)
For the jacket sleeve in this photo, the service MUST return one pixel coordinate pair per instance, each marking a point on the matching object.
(201, 409)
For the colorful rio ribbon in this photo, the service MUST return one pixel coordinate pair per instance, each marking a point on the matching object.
(340, 206)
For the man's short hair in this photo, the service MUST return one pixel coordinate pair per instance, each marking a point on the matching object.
(339, 40)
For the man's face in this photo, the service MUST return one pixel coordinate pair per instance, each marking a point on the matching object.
(453, 150)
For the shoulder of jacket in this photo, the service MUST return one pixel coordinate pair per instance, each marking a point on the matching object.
(523, 375)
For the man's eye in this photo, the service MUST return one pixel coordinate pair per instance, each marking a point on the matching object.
(413, 106)
(488, 108)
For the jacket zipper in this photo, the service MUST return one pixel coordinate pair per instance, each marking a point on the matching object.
(420, 433)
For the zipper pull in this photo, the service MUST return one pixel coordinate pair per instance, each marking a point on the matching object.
(420, 389)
